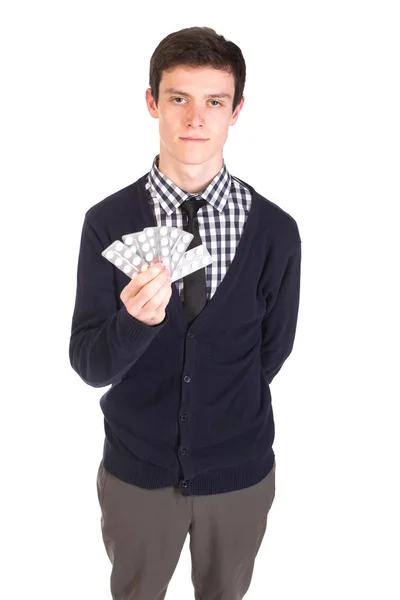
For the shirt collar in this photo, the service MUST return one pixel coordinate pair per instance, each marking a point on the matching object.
(171, 196)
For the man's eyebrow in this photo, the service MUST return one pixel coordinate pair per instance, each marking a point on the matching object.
(180, 93)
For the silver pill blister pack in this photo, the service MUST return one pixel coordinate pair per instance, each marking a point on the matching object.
(160, 244)
(125, 259)
(192, 260)
(164, 244)
(131, 240)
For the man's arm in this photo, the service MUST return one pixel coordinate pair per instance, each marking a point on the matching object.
(280, 321)
(105, 340)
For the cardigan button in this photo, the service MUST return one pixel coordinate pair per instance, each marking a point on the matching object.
(186, 379)
(183, 451)
(184, 484)
(184, 417)
(190, 334)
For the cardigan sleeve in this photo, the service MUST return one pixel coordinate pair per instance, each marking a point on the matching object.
(106, 340)
(280, 321)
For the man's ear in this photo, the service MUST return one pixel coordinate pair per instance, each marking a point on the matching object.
(236, 112)
(151, 104)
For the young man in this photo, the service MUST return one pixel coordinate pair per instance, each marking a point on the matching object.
(188, 419)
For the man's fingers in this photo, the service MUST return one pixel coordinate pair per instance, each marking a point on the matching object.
(137, 282)
(147, 295)
(151, 288)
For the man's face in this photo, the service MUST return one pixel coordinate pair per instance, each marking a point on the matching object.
(186, 110)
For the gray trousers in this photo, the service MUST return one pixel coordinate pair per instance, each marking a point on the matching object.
(144, 532)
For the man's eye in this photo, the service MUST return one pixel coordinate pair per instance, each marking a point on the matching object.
(180, 98)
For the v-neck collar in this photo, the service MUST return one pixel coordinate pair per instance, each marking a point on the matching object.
(222, 292)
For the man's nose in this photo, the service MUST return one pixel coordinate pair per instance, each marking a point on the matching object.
(195, 116)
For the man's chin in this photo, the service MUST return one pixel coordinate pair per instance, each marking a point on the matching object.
(192, 158)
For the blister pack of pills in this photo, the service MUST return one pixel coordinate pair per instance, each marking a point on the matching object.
(160, 244)
(167, 245)
(125, 259)
(192, 260)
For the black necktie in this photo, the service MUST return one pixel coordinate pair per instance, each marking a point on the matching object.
(194, 284)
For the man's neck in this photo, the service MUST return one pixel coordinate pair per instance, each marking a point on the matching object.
(190, 178)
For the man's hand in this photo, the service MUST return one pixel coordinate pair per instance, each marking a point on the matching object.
(147, 295)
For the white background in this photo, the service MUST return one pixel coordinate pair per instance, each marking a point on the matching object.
(319, 136)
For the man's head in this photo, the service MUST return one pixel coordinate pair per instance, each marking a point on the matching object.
(196, 88)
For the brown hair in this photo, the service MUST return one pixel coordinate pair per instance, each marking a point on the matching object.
(198, 47)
